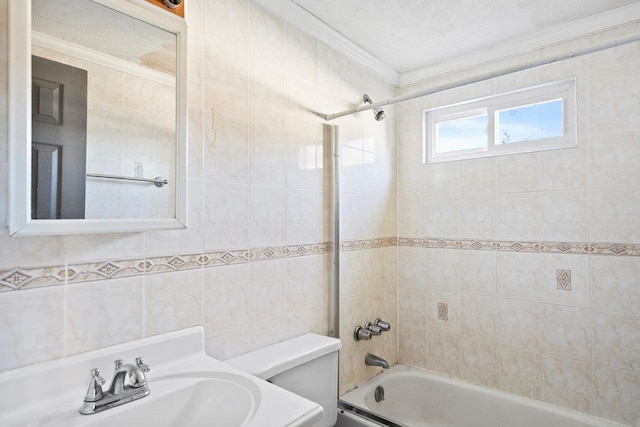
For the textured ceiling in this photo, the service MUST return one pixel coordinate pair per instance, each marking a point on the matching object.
(407, 35)
(99, 28)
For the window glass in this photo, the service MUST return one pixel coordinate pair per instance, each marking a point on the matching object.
(462, 134)
(530, 122)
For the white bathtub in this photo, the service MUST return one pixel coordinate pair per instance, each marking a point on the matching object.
(416, 398)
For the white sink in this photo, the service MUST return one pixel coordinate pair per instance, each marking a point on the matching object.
(194, 401)
(188, 389)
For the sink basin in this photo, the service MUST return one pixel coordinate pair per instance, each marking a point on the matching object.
(187, 389)
(196, 405)
(194, 401)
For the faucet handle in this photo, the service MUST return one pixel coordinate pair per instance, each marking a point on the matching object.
(118, 363)
(143, 366)
(375, 329)
(361, 333)
(95, 374)
(94, 391)
(385, 326)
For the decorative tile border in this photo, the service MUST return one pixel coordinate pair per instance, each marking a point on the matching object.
(617, 249)
(27, 278)
(625, 249)
(172, 263)
(356, 245)
(269, 253)
(312, 249)
(220, 258)
(105, 270)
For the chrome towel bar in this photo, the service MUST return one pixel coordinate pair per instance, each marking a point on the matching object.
(158, 181)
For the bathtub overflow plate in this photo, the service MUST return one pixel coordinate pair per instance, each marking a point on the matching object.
(379, 394)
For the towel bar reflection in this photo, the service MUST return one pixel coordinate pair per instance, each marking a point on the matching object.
(157, 181)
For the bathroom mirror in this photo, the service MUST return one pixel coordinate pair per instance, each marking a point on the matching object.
(97, 117)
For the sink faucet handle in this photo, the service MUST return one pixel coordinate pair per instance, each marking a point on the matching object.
(118, 363)
(95, 374)
(94, 391)
(143, 366)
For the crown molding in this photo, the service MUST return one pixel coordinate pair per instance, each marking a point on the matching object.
(295, 14)
(542, 39)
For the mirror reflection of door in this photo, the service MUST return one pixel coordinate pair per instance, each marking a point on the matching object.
(59, 146)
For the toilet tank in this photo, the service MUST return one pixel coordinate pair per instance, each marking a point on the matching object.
(306, 365)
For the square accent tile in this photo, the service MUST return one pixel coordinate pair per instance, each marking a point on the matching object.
(564, 279)
(443, 311)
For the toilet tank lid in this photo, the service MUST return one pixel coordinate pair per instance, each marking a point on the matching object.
(277, 358)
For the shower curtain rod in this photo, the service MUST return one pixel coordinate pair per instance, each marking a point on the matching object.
(483, 77)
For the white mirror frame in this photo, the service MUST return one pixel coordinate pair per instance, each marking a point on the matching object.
(19, 206)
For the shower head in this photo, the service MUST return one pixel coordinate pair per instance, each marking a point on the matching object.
(379, 113)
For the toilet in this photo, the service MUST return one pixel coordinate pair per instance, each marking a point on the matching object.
(306, 365)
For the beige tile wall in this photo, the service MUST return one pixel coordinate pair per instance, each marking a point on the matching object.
(509, 325)
(367, 291)
(259, 188)
(368, 285)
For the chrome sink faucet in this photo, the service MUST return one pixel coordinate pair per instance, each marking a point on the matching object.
(97, 400)
(135, 373)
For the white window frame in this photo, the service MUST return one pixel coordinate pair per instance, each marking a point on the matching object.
(491, 105)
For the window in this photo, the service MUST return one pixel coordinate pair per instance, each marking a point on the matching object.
(533, 119)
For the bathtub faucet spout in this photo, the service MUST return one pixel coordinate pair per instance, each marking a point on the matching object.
(373, 360)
